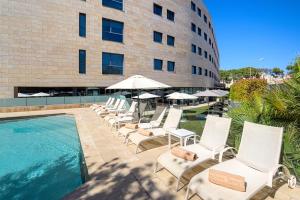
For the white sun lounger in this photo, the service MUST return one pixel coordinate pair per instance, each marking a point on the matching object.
(112, 119)
(109, 105)
(115, 106)
(212, 141)
(120, 108)
(95, 106)
(152, 124)
(171, 122)
(257, 160)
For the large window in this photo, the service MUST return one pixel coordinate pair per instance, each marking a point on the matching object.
(205, 18)
(157, 9)
(205, 72)
(82, 61)
(112, 30)
(194, 70)
(193, 6)
(199, 71)
(205, 36)
(116, 4)
(205, 54)
(170, 15)
(194, 48)
(157, 36)
(112, 63)
(170, 40)
(193, 27)
(82, 25)
(157, 64)
(171, 66)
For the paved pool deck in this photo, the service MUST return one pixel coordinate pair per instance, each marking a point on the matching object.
(116, 172)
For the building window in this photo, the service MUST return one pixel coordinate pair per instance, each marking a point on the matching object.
(209, 25)
(194, 70)
(209, 57)
(157, 9)
(199, 51)
(170, 15)
(205, 54)
(205, 19)
(210, 74)
(209, 41)
(116, 4)
(199, 71)
(112, 63)
(112, 30)
(193, 27)
(82, 24)
(157, 37)
(205, 72)
(193, 48)
(82, 61)
(158, 64)
(171, 66)
(199, 31)
(193, 6)
(205, 36)
(170, 40)
(199, 12)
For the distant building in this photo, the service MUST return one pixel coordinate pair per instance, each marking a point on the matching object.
(81, 47)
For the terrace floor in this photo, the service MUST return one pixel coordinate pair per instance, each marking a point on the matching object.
(116, 172)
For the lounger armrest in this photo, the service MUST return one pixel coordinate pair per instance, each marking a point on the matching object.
(190, 137)
(284, 173)
(217, 150)
(231, 149)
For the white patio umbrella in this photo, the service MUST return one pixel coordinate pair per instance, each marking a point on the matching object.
(207, 93)
(138, 82)
(22, 95)
(181, 96)
(41, 94)
(221, 92)
(146, 96)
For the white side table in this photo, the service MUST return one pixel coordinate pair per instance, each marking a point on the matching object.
(181, 134)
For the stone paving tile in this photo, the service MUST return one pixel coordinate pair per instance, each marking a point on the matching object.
(116, 172)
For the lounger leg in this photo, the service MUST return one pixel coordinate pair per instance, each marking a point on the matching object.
(178, 181)
(155, 167)
(137, 149)
(187, 193)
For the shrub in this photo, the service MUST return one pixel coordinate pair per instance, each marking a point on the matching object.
(247, 89)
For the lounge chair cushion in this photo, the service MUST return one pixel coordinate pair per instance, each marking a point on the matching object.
(177, 166)
(137, 138)
(255, 180)
(145, 132)
(184, 154)
(224, 179)
(131, 126)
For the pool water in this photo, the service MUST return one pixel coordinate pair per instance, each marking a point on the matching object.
(40, 158)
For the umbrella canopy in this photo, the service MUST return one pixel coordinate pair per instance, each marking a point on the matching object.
(207, 93)
(221, 92)
(41, 94)
(181, 96)
(138, 82)
(23, 95)
(146, 96)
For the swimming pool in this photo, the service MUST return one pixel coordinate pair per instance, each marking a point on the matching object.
(40, 157)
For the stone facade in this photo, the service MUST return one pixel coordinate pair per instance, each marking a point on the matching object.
(39, 43)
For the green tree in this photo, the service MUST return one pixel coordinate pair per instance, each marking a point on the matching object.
(295, 67)
(237, 74)
(276, 71)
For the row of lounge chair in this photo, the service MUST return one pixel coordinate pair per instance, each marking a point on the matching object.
(254, 166)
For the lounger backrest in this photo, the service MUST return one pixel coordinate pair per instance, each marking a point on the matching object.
(215, 132)
(142, 109)
(132, 107)
(260, 146)
(161, 116)
(116, 104)
(111, 102)
(173, 118)
(121, 104)
(158, 112)
(108, 101)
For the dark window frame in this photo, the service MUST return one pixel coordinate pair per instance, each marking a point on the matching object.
(193, 27)
(170, 15)
(158, 61)
(82, 24)
(108, 69)
(199, 71)
(171, 68)
(170, 40)
(194, 48)
(193, 6)
(111, 35)
(157, 9)
(115, 4)
(157, 37)
(194, 70)
(82, 61)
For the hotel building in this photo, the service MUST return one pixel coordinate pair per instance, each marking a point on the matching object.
(79, 47)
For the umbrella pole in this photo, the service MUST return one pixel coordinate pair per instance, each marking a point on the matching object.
(139, 114)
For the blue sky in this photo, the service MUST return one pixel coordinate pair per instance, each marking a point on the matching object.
(261, 33)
